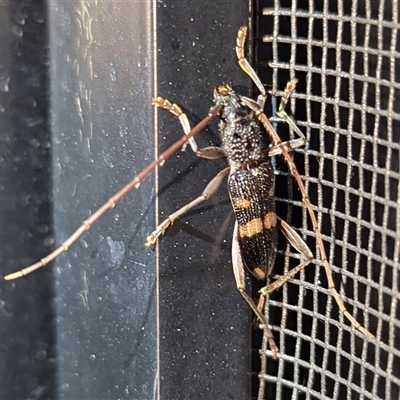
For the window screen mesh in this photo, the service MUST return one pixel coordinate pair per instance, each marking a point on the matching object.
(346, 56)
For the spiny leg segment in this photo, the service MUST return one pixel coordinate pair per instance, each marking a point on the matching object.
(211, 153)
(209, 191)
(239, 270)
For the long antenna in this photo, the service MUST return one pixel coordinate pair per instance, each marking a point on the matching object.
(111, 203)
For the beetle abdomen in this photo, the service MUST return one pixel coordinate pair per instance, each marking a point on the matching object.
(252, 196)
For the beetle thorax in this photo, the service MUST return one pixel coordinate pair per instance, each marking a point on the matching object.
(242, 142)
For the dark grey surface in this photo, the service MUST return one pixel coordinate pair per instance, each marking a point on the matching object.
(204, 320)
(27, 331)
(101, 80)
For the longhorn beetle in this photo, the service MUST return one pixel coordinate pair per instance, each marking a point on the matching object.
(250, 184)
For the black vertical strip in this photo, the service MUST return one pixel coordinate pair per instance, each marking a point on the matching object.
(204, 322)
(27, 334)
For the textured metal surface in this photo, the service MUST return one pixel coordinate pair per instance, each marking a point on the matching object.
(347, 58)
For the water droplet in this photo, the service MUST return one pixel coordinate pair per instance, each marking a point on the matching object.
(4, 81)
(41, 355)
(19, 19)
(46, 144)
(43, 228)
(64, 387)
(49, 241)
(34, 143)
(17, 31)
(38, 17)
